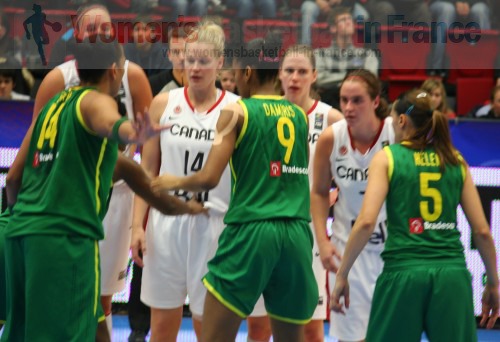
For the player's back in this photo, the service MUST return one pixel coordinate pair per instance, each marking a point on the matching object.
(422, 206)
(67, 175)
(269, 166)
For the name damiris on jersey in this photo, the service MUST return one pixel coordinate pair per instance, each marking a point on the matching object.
(278, 110)
(193, 133)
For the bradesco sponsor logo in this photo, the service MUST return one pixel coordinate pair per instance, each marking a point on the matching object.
(418, 225)
(39, 158)
(294, 169)
(276, 169)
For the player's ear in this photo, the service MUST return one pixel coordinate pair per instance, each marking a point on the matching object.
(247, 73)
(113, 71)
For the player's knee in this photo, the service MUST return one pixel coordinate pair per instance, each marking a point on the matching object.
(106, 304)
(258, 332)
(314, 332)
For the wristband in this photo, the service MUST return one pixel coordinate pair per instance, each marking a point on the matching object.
(115, 135)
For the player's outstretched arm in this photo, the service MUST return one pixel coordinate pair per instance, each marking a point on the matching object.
(320, 198)
(100, 114)
(137, 179)
(376, 192)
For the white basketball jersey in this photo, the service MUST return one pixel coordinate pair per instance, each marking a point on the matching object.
(185, 146)
(350, 171)
(318, 121)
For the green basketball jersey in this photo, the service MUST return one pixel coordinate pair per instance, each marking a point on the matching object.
(67, 176)
(422, 206)
(269, 178)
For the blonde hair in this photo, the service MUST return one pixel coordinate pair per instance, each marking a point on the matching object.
(432, 84)
(210, 33)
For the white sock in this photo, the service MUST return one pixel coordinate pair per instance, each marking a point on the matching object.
(109, 323)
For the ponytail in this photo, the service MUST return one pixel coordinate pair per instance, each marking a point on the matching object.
(431, 127)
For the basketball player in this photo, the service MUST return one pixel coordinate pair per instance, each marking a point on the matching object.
(425, 284)
(343, 152)
(297, 75)
(133, 97)
(178, 248)
(267, 243)
(52, 235)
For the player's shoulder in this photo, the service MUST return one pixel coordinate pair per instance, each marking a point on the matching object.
(231, 97)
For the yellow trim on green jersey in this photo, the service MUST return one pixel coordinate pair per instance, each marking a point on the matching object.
(245, 123)
(303, 112)
(97, 175)
(463, 167)
(217, 295)
(289, 320)
(267, 97)
(390, 159)
(96, 264)
(233, 173)
(79, 113)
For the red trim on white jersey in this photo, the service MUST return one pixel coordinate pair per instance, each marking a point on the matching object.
(223, 93)
(313, 107)
(374, 141)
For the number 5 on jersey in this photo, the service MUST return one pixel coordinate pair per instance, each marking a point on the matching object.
(433, 194)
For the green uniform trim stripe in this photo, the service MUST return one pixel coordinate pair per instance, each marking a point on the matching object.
(245, 123)
(289, 320)
(97, 175)
(96, 265)
(390, 158)
(267, 97)
(233, 172)
(79, 113)
(217, 295)
(463, 169)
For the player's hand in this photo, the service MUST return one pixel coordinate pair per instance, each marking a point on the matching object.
(330, 257)
(340, 290)
(164, 182)
(145, 128)
(196, 207)
(490, 300)
(138, 245)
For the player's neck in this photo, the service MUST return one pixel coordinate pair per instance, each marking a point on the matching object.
(305, 103)
(264, 89)
(202, 99)
(364, 136)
